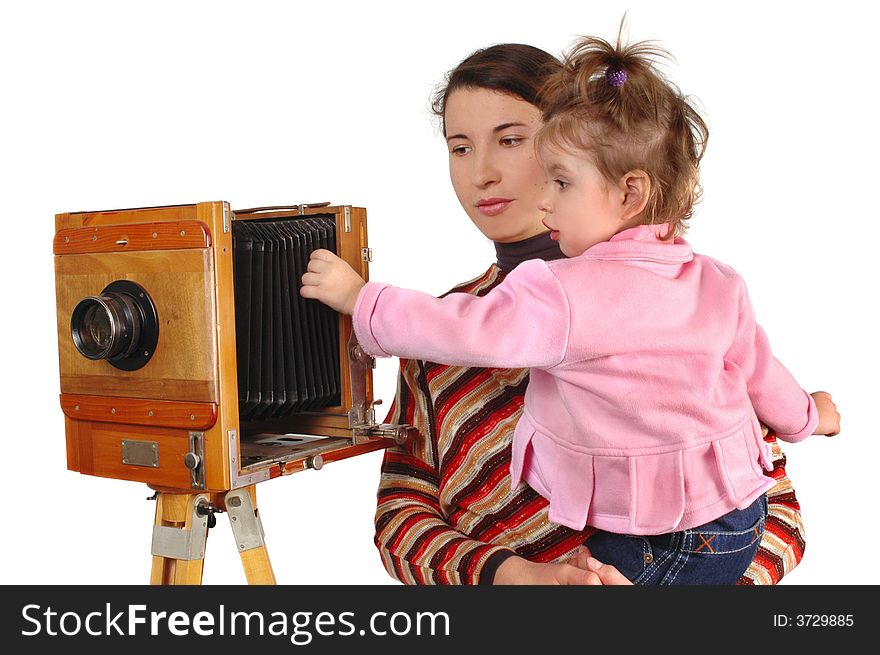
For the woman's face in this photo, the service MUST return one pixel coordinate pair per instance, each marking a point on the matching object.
(492, 162)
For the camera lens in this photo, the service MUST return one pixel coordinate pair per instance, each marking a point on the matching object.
(120, 326)
(98, 324)
(92, 327)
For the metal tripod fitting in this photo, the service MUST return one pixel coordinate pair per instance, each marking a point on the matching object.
(246, 525)
(182, 543)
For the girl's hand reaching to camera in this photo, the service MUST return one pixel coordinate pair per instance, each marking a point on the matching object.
(332, 281)
(829, 417)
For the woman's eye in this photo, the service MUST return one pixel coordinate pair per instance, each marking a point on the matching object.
(562, 184)
(511, 141)
(459, 150)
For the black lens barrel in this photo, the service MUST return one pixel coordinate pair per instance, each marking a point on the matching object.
(120, 325)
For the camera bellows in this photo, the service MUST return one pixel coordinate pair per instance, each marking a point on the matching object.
(287, 346)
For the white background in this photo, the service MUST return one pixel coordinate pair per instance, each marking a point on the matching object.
(110, 104)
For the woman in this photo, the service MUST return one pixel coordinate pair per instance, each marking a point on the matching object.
(446, 513)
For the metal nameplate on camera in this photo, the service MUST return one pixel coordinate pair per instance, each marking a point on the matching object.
(140, 453)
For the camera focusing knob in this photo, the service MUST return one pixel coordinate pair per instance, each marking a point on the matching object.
(191, 461)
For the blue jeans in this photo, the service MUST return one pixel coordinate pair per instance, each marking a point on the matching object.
(715, 553)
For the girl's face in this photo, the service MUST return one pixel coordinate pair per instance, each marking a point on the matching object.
(582, 207)
(492, 162)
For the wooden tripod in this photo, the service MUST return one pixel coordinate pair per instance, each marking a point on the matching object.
(180, 535)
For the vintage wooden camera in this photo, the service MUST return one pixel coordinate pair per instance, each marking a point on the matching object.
(190, 362)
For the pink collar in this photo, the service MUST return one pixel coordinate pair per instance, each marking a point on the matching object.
(642, 233)
(642, 244)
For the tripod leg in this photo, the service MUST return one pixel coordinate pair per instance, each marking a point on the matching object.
(179, 538)
(248, 532)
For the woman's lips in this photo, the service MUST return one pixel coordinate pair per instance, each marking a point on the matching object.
(493, 206)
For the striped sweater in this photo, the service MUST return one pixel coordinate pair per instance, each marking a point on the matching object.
(445, 512)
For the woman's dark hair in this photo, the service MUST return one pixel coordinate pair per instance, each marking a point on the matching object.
(514, 68)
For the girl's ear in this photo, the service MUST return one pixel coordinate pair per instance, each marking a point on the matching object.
(636, 187)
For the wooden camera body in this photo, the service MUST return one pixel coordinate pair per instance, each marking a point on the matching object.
(152, 378)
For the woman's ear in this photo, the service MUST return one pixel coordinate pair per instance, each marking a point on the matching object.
(636, 187)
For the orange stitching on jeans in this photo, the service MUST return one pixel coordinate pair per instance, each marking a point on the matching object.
(705, 543)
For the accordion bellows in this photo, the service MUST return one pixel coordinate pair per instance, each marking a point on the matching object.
(287, 347)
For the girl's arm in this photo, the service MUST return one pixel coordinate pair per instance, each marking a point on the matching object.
(522, 323)
(777, 398)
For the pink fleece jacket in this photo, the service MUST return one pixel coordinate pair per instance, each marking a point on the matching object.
(648, 371)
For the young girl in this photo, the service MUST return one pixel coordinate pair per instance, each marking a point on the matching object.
(648, 368)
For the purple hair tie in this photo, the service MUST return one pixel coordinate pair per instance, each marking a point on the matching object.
(615, 76)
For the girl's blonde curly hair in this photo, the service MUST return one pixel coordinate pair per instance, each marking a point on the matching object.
(611, 102)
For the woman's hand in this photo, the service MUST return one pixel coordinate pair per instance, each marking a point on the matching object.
(829, 417)
(332, 281)
(581, 569)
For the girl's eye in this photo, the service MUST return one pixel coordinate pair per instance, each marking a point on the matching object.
(460, 150)
(511, 141)
(562, 184)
